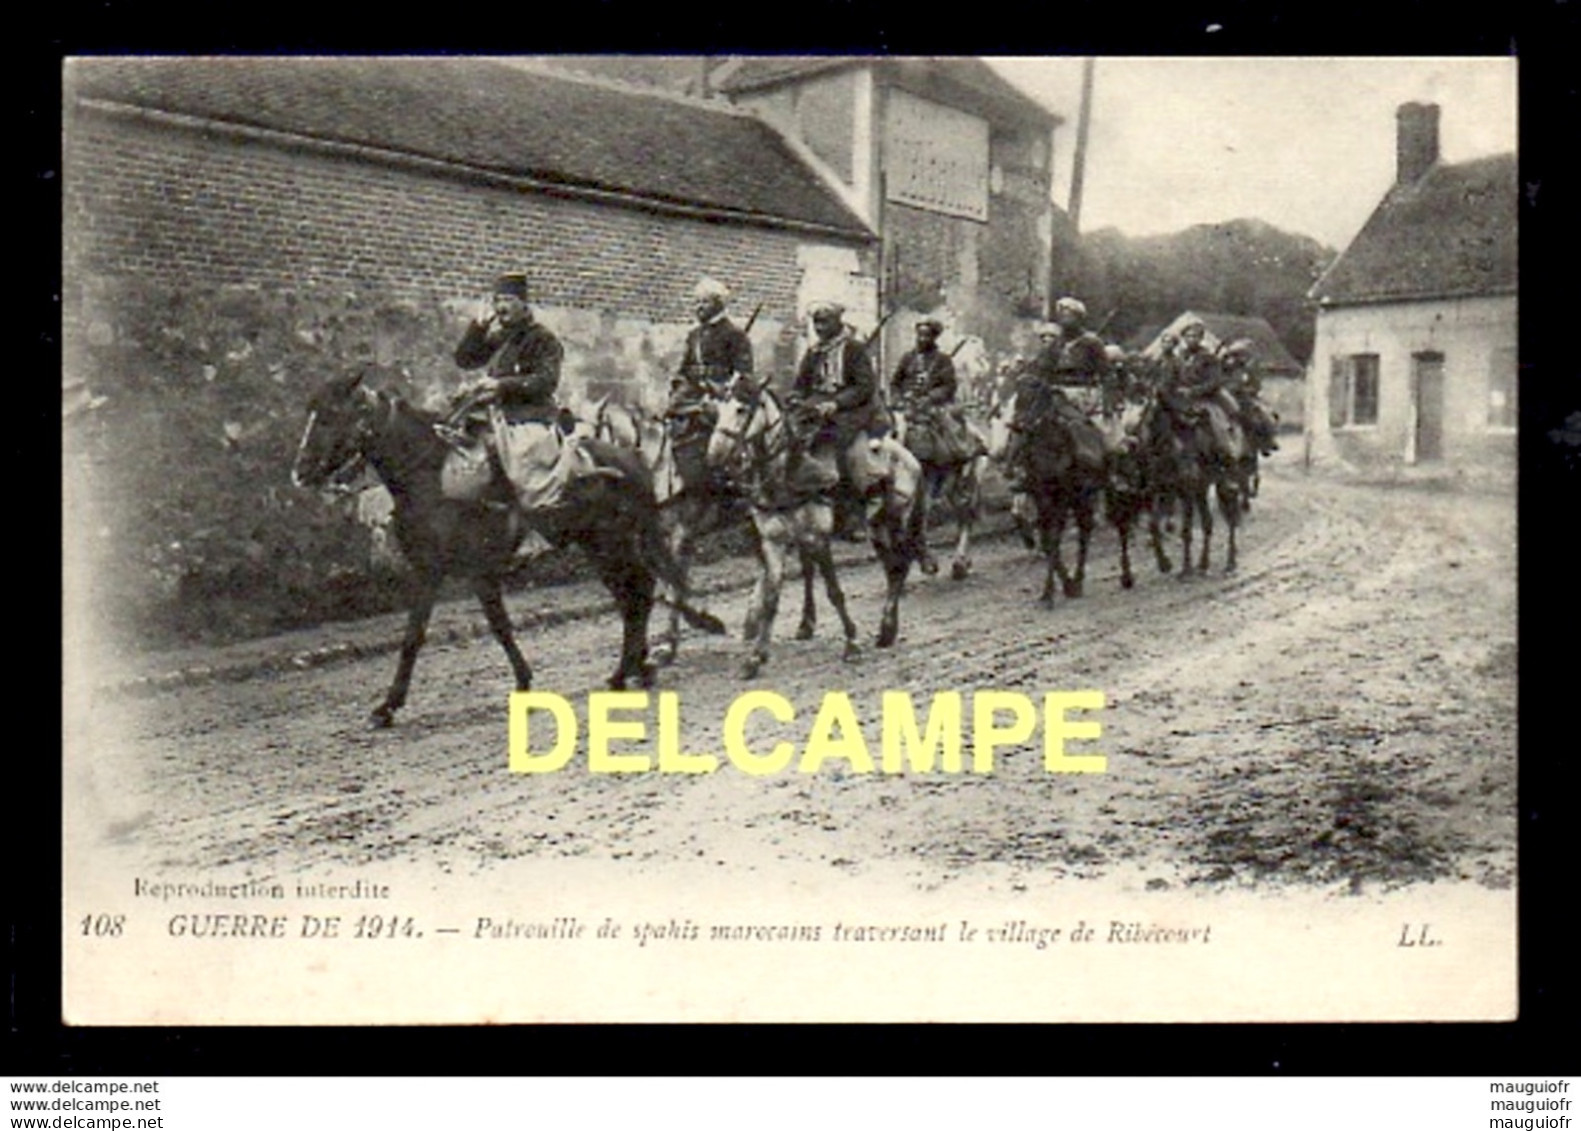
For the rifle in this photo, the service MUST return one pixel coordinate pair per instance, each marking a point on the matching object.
(873, 337)
(958, 347)
(1107, 318)
(757, 310)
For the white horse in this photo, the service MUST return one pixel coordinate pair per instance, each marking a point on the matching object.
(752, 444)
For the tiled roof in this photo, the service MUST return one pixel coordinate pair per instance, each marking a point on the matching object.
(1451, 233)
(498, 118)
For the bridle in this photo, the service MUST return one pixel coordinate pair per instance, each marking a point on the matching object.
(339, 478)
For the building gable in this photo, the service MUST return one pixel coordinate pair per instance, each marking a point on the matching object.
(1449, 234)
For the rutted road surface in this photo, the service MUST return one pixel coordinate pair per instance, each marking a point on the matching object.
(1339, 712)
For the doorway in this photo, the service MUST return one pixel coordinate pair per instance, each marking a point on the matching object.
(1428, 386)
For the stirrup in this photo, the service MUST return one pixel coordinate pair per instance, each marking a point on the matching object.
(450, 434)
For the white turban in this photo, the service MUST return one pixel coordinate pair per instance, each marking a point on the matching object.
(1071, 306)
(829, 308)
(708, 288)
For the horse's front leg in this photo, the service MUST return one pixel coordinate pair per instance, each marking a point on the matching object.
(488, 594)
(1188, 520)
(765, 604)
(1120, 506)
(967, 499)
(819, 555)
(1206, 512)
(1085, 520)
(1230, 503)
(416, 633)
(932, 480)
(633, 587)
(809, 607)
(1155, 535)
(679, 537)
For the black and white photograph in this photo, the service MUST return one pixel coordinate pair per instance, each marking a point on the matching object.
(837, 538)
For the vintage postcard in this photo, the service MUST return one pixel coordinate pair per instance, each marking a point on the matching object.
(447, 442)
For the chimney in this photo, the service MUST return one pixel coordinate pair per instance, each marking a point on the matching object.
(1417, 147)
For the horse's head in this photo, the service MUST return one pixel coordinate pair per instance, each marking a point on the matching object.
(1000, 414)
(742, 418)
(339, 424)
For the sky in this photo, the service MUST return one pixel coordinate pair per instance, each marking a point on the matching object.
(1306, 144)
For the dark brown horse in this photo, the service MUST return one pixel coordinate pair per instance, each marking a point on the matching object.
(612, 516)
(1185, 461)
(1062, 479)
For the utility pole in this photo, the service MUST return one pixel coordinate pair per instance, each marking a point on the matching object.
(1083, 122)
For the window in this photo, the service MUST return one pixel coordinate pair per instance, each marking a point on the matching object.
(1353, 390)
(1502, 374)
(936, 157)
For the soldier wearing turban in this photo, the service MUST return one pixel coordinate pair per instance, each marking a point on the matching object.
(717, 353)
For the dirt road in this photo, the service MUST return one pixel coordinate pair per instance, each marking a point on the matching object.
(1339, 712)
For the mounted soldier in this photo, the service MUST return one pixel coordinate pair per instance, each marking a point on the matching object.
(836, 410)
(506, 427)
(1244, 383)
(717, 353)
(924, 387)
(1067, 382)
(935, 430)
(1197, 392)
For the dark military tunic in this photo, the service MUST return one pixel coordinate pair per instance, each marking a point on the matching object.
(925, 374)
(524, 358)
(716, 352)
(848, 379)
(1082, 361)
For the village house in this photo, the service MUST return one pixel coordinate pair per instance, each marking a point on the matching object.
(1415, 356)
(947, 161)
(238, 230)
(1283, 384)
(411, 183)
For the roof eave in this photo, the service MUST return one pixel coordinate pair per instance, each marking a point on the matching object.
(1328, 302)
(531, 182)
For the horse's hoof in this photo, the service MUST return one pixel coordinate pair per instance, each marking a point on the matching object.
(852, 651)
(804, 631)
(648, 676)
(663, 653)
(886, 638)
(1046, 600)
(382, 718)
(960, 571)
(1128, 582)
(928, 565)
(1072, 589)
(749, 668)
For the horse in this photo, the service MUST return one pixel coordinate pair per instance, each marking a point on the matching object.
(958, 482)
(1062, 483)
(1186, 461)
(612, 515)
(1129, 489)
(1023, 514)
(752, 443)
(686, 510)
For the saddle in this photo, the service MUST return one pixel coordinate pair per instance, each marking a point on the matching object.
(538, 460)
(941, 435)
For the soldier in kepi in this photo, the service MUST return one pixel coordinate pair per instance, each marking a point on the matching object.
(511, 410)
(834, 399)
(717, 353)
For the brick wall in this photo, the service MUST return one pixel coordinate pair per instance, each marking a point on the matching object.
(175, 207)
(212, 282)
